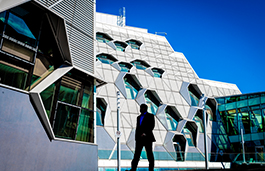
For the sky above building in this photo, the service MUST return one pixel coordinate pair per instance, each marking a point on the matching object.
(224, 40)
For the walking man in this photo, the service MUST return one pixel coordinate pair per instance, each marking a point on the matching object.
(144, 137)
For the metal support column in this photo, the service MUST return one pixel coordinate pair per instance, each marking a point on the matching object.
(205, 132)
(118, 133)
(243, 147)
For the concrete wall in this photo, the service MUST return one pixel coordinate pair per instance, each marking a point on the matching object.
(24, 144)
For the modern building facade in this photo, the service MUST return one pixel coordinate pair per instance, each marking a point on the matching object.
(48, 86)
(61, 65)
(146, 69)
(243, 116)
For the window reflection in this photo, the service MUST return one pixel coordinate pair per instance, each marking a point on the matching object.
(139, 64)
(69, 106)
(13, 75)
(66, 121)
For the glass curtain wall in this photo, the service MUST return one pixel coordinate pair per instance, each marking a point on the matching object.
(244, 112)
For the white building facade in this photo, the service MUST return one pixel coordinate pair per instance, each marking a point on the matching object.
(145, 69)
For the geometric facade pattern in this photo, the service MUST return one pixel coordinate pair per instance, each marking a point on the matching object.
(172, 96)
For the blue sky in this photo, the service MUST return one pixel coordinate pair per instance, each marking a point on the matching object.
(224, 40)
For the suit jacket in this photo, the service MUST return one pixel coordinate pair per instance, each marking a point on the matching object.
(146, 127)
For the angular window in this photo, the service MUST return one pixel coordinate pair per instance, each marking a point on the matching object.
(139, 64)
(170, 118)
(195, 94)
(179, 143)
(188, 136)
(152, 101)
(198, 118)
(135, 44)
(103, 38)
(120, 46)
(101, 111)
(158, 72)
(125, 67)
(106, 58)
(132, 86)
(24, 64)
(173, 117)
(69, 107)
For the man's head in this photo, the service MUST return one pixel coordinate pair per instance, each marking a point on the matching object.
(143, 108)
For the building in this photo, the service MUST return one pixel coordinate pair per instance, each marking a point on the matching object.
(144, 68)
(61, 65)
(243, 115)
(47, 85)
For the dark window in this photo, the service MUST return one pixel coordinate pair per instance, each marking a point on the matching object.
(102, 37)
(125, 67)
(139, 64)
(101, 111)
(152, 100)
(132, 86)
(158, 72)
(135, 44)
(120, 46)
(106, 58)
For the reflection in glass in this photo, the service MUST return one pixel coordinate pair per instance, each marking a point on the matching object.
(130, 90)
(188, 136)
(106, 58)
(42, 69)
(151, 102)
(47, 97)
(66, 121)
(87, 101)
(85, 130)
(103, 38)
(194, 99)
(13, 75)
(69, 90)
(20, 26)
(101, 110)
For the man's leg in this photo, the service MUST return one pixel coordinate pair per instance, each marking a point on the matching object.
(137, 154)
(150, 155)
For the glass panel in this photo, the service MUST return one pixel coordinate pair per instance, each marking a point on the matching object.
(42, 69)
(221, 107)
(20, 26)
(194, 99)
(66, 121)
(2, 16)
(254, 101)
(188, 136)
(87, 101)
(101, 109)
(2, 20)
(242, 103)
(256, 121)
(106, 59)
(130, 90)
(69, 90)
(99, 117)
(13, 75)
(18, 29)
(262, 99)
(85, 130)
(47, 97)
(231, 106)
(152, 107)
(18, 50)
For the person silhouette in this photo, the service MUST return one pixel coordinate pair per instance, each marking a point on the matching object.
(144, 137)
